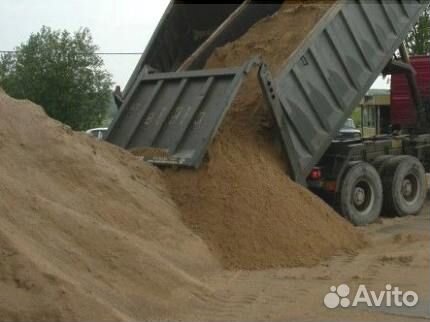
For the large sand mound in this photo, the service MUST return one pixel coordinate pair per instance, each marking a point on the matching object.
(241, 201)
(86, 231)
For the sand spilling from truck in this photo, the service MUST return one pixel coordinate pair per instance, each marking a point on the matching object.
(241, 200)
(87, 232)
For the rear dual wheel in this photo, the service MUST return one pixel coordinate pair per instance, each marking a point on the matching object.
(361, 194)
(404, 184)
(399, 189)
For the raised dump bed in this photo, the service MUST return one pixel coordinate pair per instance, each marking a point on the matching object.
(332, 70)
(311, 97)
(186, 29)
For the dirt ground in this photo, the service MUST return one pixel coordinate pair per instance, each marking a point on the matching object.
(399, 256)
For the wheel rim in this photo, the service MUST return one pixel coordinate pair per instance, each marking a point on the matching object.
(363, 197)
(409, 188)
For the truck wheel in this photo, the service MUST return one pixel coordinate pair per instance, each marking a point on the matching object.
(404, 184)
(361, 194)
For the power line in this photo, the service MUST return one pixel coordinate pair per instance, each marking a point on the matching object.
(113, 54)
(100, 53)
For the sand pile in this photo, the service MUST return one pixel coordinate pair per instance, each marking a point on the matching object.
(241, 201)
(87, 232)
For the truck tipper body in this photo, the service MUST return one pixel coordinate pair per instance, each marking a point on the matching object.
(171, 104)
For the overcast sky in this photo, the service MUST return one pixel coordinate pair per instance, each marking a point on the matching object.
(116, 26)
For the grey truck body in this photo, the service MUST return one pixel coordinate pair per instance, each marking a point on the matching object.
(311, 97)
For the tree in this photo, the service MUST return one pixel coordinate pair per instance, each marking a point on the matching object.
(418, 41)
(61, 72)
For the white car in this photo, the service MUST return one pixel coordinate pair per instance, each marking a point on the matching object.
(349, 131)
(98, 133)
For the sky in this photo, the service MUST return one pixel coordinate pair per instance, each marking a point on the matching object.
(116, 26)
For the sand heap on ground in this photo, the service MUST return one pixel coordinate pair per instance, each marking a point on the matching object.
(87, 232)
(241, 200)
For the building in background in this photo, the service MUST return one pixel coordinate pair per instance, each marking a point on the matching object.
(373, 114)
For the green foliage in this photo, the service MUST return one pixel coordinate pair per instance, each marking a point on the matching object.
(356, 116)
(61, 72)
(418, 41)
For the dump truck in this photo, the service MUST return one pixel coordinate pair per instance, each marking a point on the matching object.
(174, 105)
(401, 159)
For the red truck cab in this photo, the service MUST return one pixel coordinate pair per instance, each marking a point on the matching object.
(403, 111)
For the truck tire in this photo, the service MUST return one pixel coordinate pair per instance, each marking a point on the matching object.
(404, 184)
(361, 194)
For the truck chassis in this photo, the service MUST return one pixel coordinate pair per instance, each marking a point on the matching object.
(365, 178)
